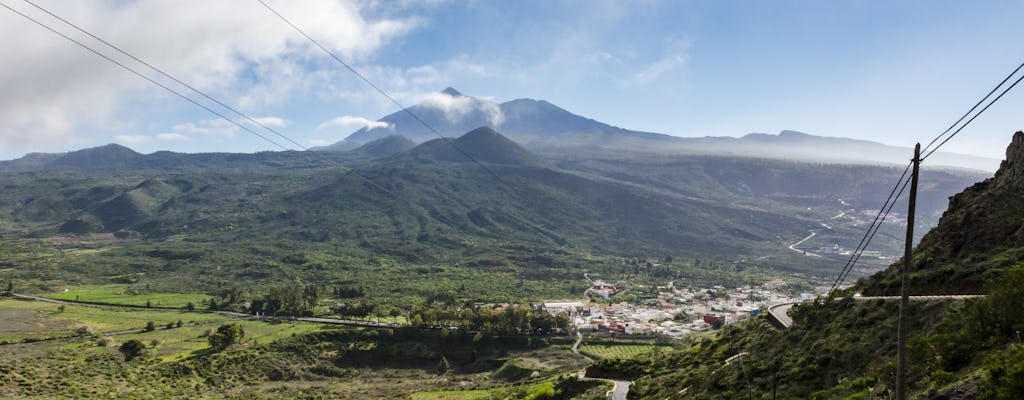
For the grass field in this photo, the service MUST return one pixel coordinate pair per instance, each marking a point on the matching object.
(129, 295)
(179, 343)
(536, 390)
(25, 319)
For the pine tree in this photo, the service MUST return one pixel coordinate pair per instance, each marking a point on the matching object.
(443, 367)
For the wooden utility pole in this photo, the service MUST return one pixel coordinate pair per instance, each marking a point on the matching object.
(908, 260)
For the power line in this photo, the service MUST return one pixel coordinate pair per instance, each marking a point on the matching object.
(925, 149)
(139, 74)
(161, 72)
(869, 234)
(975, 116)
(381, 91)
(856, 256)
(873, 228)
(190, 100)
(402, 107)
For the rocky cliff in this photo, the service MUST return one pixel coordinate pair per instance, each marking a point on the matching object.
(980, 233)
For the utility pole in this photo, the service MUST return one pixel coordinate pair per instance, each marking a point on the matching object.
(908, 260)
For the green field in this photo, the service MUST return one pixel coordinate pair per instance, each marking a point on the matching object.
(619, 350)
(135, 295)
(549, 388)
(25, 319)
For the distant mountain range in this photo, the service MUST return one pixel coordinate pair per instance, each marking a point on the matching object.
(544, 128)
(547, 129)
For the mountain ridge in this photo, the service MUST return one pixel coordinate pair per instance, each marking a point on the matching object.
(545, 127)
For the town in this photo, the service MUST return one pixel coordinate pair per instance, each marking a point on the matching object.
(674, 311)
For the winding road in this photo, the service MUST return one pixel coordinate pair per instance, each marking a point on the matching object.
(780, 312)
(806, 253)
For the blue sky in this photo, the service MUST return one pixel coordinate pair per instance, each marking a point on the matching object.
(894, 72)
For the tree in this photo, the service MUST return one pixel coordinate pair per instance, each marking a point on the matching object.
(131, 349)
(150, 326)
(226, 335)
(443, 367)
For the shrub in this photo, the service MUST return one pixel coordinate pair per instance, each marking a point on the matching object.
(84, 330)
(131, 349)
(443, 367)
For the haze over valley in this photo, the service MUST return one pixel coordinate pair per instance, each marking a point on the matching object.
(640, 200)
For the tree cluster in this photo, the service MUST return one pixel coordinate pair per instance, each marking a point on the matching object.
(514, 320)
(226, 335)
(293, 298)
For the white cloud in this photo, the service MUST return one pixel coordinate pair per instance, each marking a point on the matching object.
(234, 50)
(172, 136)
(132, 139)
(457, 107)
(348, 121)
(676, 56)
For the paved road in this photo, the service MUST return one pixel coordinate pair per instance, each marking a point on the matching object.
(806, 253)
(620, 390)
(920, 298)
(781, 314)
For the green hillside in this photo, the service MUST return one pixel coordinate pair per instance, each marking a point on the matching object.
(846, 349)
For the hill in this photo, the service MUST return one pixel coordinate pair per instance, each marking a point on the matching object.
(483, 144)
(113, 157)
(429, 203)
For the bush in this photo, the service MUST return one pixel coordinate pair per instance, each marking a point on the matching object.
(105, 341)
(131, 349)
(84, 330)
(443, 367)
(1004, 375)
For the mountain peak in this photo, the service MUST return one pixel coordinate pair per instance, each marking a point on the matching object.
(1011, 171)
(451, 92)
(793, 134)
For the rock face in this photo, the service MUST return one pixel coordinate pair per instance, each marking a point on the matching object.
(980, 233)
